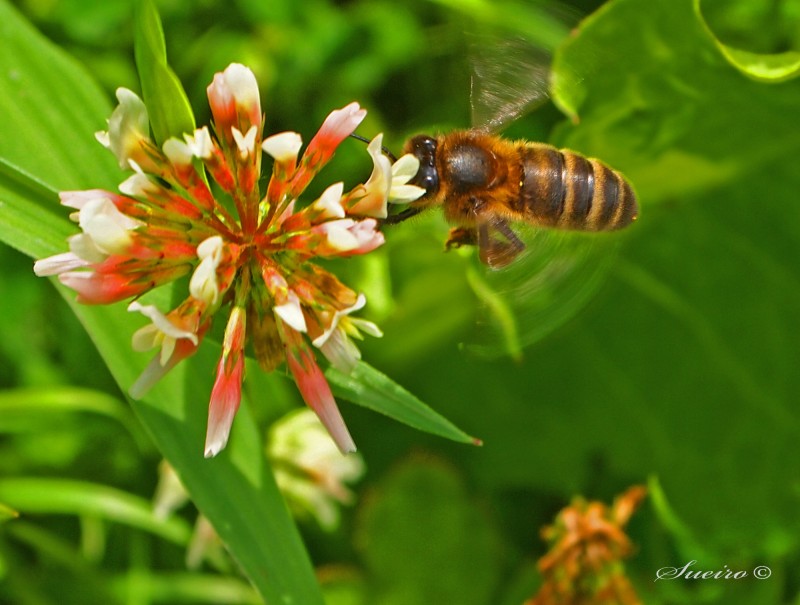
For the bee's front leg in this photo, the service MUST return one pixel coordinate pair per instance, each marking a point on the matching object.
(394, 219)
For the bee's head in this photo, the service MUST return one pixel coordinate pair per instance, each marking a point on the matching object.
(424, 148)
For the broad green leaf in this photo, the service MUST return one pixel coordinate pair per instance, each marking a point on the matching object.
(774, 67)
(39, 495)
(236, 491)
(166, 101)
(370, 388)
(425, 541)
(46, 144)
(669, 114)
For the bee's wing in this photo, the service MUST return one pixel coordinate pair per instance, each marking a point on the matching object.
(498, 244)
(548, 282)
(509, 78)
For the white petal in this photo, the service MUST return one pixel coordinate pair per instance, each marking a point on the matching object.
(60, 263)
(178, 152)
(367, 327)
(320, 340)
(329, 203)
(211, 247)
(127, 126)
(107, 226)
(102, 138)
(341, 352)
(283, 146)
(402, 194)
(247, 142)
(292, 313)
(83, 246)
(146, 338)
(203, 284)
(162, 322)
(404, 169)
(200, 144)
(242, 84)
(339, 235)
(137, 184)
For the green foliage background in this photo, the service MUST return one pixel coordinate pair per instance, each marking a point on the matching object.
(680, 369)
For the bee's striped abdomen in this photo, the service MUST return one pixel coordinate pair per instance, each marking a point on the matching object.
(563, 189)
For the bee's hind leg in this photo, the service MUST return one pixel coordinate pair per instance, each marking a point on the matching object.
(513, 239)
(493, 252)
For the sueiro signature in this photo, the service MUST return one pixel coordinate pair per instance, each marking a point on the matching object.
(761, 572)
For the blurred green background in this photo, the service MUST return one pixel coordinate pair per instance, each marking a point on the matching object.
(664, 353)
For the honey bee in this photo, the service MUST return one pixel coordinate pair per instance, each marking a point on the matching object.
(484, 182)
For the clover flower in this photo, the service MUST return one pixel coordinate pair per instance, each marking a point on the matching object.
(311, 475)
(249, 253)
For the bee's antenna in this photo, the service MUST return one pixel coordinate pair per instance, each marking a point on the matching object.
(384, 149)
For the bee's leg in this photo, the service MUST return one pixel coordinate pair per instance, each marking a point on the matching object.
(401, 216)
(461, 236)
(496, 253)
(513, 239)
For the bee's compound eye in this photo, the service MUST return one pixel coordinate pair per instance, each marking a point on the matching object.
(424, 148)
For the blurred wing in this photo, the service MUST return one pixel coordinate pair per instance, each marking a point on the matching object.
(511, 66)
(548, 283)
(498, 244)
(510, 77)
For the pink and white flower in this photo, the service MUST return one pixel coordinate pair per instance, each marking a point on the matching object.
(254, 258)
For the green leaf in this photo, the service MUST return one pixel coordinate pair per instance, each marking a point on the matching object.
(48, 403)
(47, 138)
(767, 67)
(368, 387)
(36, 495)
(166, 101)
(236, 491)
(185, 588)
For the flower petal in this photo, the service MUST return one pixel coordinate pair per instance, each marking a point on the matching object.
(317, 395)
(337, 317)
(162, 323)
(234, 99)
(227, 392)
(291, 312)
(341, 352)
(225, 398)
(329, 203)
(203, 284)
(59, 263)
(339, 125)
(284, 146)
(128, 128)
(372, 196)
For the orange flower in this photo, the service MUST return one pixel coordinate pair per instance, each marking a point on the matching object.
(587, 545)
